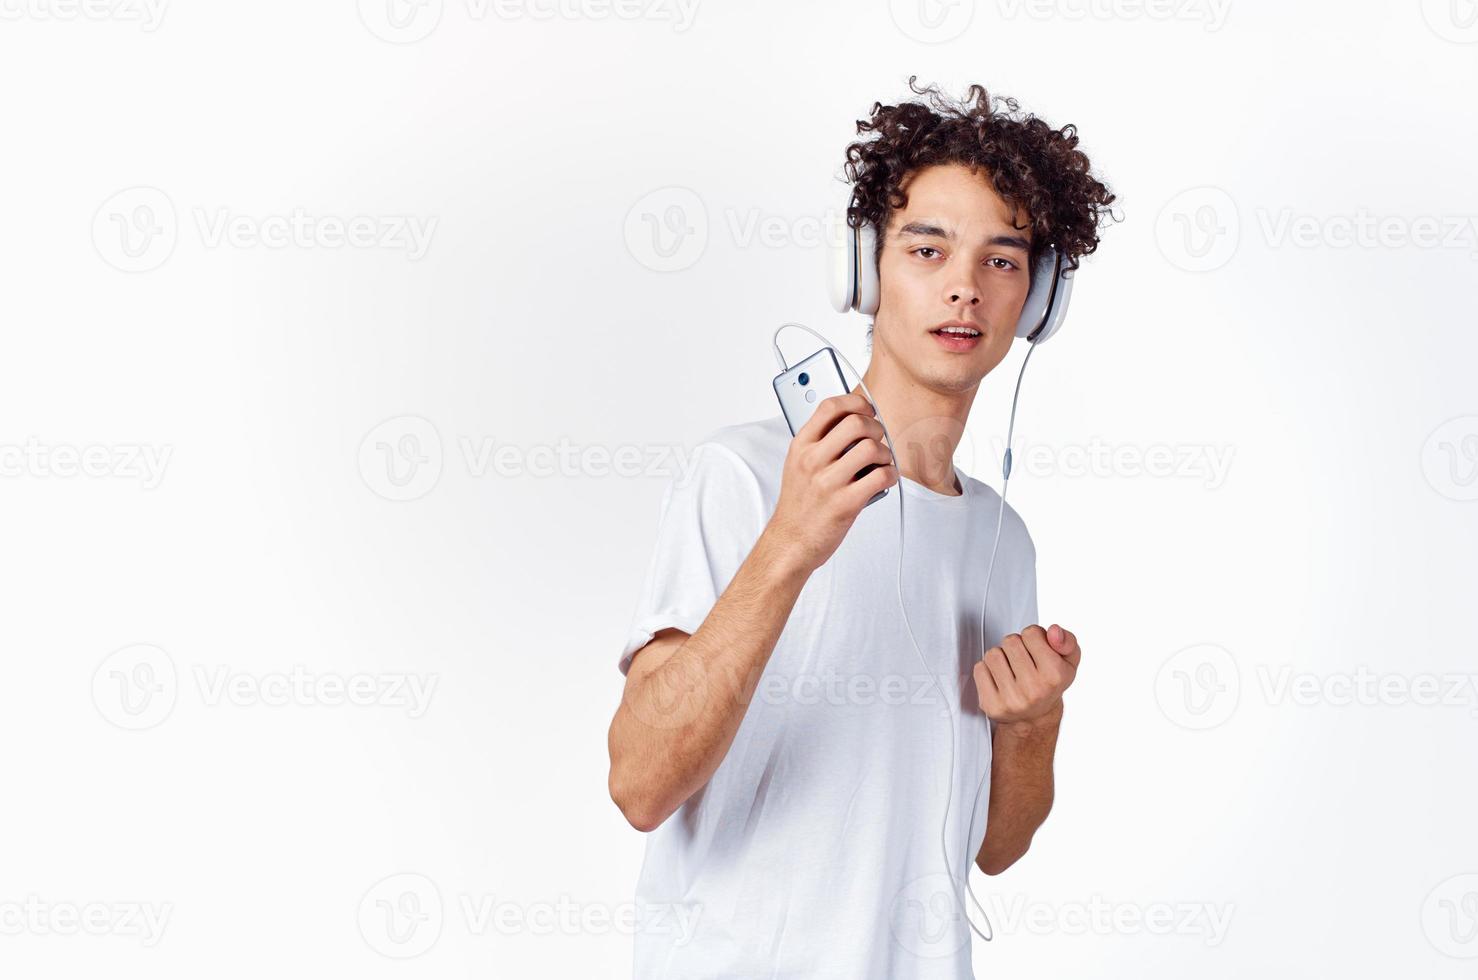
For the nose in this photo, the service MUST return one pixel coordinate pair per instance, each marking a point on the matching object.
(962, 290)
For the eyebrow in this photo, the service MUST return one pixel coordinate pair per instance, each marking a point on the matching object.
(924, 228)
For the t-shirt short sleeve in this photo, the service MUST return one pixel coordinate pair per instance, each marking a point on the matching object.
(1015, 580)
(1028, 614)
(710, 518)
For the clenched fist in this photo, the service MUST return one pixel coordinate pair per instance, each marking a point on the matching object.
(1023, 678)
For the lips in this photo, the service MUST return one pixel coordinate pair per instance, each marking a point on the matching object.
(957, 338)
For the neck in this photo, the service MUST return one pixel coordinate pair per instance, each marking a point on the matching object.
(925, 424)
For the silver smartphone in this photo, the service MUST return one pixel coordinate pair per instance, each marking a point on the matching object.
(801, 388)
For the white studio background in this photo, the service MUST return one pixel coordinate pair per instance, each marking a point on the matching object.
(311, 631)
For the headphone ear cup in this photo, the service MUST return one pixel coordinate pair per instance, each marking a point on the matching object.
(1058, 313)
(1046, 302)
(869, 287)
(841, 273)
(1034, 310)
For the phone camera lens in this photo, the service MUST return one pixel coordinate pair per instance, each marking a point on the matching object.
(804, 379)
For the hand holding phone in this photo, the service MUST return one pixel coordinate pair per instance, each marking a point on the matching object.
(803, 387)
(837, 464)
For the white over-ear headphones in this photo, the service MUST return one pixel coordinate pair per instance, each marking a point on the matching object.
(853, 282)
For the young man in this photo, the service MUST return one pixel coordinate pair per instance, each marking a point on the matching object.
(778, 738)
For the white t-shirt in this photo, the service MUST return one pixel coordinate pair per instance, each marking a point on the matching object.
(814, 849)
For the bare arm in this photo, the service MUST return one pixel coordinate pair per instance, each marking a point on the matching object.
(1021, 683)
(686, 695)
(1020, 789)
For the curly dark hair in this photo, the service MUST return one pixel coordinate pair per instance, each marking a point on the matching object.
(1033, 166)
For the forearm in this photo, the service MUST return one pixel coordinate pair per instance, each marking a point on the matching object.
(1021, 789)
(670, 733)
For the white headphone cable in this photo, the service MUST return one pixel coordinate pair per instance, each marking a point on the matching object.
(989, 574)
(903, 607)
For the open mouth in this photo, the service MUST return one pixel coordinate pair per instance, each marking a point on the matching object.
(957, 338)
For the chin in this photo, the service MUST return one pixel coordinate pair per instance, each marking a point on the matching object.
(962, 378)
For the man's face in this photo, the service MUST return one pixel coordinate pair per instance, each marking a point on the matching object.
(952, 254)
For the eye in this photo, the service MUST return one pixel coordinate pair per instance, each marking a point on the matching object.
(1005, 263)
(925, 248)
